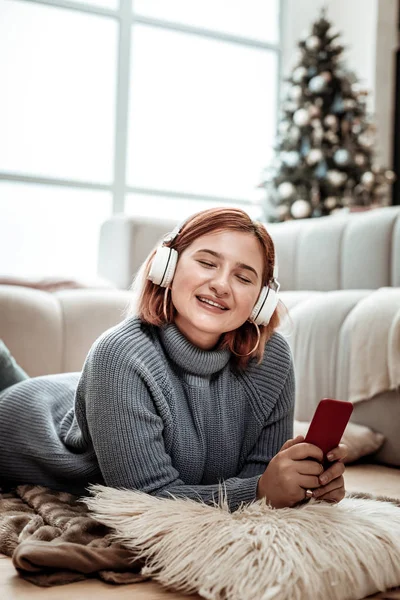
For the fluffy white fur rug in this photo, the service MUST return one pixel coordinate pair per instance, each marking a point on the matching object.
(333, 552)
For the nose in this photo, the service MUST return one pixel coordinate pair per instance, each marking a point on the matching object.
(220, 284)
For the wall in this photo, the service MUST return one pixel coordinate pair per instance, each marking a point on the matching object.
(369, 34)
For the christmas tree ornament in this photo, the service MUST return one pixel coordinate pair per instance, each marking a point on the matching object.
(360, 159)
(327, 76)
(330, 202)
(312, 71)
(295, 92)
(317, 212)
(300, 209)
(317, 84)
(321, 170)
(390, 176)
(368, 179)
(313, 42)
(314, 156)
(331, 137)
(291, 158)
(331, 121)
(335, 177)
(299, 74)
(366, 139)
(286, 190)
(349, 104)
(314, 111)
(337, 105)
(283, 211)
(319, 102)
(301, 117)
(283, 126)
(342, 157)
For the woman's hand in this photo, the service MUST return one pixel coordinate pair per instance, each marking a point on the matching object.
(290, 473)
(331, 481)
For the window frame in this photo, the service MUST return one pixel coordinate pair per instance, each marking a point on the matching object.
(126, 17)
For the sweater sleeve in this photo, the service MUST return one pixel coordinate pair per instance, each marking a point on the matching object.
(126, 430)
(274, 434)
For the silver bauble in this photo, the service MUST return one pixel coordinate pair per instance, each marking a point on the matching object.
(368, 179)
(313, 42)
(286, 190)
(300, 209)
(301, 117)
(314, 156)
(331, 121)
(298, 74)
(342, 157)
(317, 84)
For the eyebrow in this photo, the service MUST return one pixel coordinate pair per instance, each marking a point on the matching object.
(240, 265)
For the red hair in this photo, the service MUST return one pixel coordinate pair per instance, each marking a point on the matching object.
(151, 299)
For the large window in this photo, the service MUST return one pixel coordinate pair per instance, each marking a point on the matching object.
(155, 107)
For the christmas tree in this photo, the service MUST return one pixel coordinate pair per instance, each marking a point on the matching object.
(324, 159)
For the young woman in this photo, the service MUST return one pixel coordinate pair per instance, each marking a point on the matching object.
(193, 394)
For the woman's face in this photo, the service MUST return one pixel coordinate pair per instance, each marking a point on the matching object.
(217, 282)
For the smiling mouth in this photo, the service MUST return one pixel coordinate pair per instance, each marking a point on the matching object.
(211, 303)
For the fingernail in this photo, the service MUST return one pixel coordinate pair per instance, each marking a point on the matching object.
(323, 479)
(330, 456)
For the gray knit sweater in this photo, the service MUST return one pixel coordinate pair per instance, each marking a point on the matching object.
(150, 411)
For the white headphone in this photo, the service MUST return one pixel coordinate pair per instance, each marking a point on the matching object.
(163, 268)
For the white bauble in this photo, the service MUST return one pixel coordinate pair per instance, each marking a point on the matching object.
(301, 117)
(298, 74)
(314, 156)
(295, 92)
(335, 177)
(317, 84)
(286, 190)
(366, 139)
(313, 42)
(330, 202)
(390, 176)
(300, 209)
(342, 157)
(368, 179)
(282, 211)
(283, 127)
(331, 121)
(349, 104)
(291, 158)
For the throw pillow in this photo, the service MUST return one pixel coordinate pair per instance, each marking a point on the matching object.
(359, 439)
(336, 552)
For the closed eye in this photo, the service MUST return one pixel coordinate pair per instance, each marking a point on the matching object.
(244, 279)
(205, 263)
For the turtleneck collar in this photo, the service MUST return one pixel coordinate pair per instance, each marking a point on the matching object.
(189, 357)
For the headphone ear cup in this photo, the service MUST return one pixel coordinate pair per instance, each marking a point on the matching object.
(265, 306)
(163, 266)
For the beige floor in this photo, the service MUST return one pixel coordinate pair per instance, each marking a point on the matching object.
(367, 478)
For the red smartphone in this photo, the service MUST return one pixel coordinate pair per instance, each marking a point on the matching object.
(328, 424)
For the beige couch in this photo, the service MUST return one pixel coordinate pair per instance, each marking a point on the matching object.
(326, 268)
